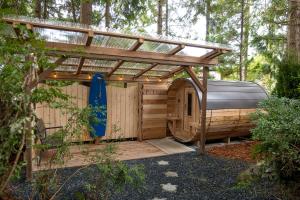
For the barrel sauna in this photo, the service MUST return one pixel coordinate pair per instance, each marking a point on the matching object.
(229, 104)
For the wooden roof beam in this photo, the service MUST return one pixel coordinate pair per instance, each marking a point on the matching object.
(145, 70)
(57, 75)
(176, 49)
(87, 44)
(92, 52)
(108, 68)
(137, 44)
(175, 71)
(117, 65)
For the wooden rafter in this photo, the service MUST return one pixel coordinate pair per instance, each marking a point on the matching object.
(145, 70)
(73, 50)
(137, 44)
(176, 49)
(87, 44)
(117, 65)
(175, 71)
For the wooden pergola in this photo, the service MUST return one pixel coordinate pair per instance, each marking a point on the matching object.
(78, 51)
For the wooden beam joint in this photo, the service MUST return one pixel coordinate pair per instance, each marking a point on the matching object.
(137, 44)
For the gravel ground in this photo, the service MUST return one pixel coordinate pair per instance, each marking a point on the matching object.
(190, 175)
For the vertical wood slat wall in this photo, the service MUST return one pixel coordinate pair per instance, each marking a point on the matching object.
(154, 111)
(122, 111)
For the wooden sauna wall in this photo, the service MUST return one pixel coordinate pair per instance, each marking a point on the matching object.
(220, 123)
(153, 110)
(228, 123)
(122, 111)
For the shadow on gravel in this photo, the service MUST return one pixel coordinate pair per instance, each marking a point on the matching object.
(198, 177)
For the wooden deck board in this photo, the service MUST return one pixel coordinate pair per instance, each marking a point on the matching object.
(128, 150)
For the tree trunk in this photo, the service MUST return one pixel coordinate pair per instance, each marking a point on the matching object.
(86, 12)
(73, 9)
(246, 38)
(242, 41)
(159, 17)
(167, 17)
(45, 12)
(107, 13)
(207, 17)
(294, 28)
(38, 9)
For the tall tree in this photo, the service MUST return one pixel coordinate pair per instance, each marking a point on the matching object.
(86, 12)
(107, 13)
(167, 17)
(38, 8)
(207, 18)
(294, 28)
(159, 17)
(244, 38)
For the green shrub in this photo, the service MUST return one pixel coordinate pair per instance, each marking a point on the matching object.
(278, 129)
(288, 78)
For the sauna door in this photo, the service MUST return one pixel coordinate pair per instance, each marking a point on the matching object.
(188, 115)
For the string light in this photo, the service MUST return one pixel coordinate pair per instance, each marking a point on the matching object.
(90, 77)
(55, 75)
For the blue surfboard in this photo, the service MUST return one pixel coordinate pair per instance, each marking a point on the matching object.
(98, 101)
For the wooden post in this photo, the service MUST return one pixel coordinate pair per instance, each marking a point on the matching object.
(28, 143)
(203, 111)
(203, 88)
(140, 111)
(28, 128)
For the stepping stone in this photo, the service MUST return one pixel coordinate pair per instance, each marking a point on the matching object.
(169, 187)
(155, 198)
(163, 162)
(171, 174)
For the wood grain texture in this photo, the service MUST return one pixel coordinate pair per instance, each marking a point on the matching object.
(154, 111)
(122, 111)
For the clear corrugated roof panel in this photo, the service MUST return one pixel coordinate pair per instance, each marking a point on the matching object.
(154, 73)
(135, 65)
(125, 72)
(156, 47)
(165, 67)
(72, 61)
(100, 63)
(52, 35)
(95, 69)
(81, 27)
(112, 42)
(193, 51)
(66, 68)
(73, 33)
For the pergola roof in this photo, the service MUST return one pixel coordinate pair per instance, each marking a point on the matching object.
(79, 50)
